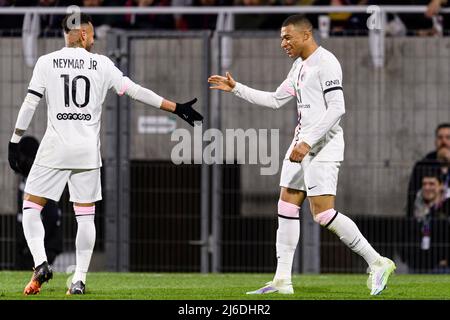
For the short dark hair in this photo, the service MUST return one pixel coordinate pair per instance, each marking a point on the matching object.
(84, 19)
(432, 172)
(441, 126)
(297, 19)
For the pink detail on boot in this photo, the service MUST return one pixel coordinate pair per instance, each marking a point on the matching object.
(288, 209)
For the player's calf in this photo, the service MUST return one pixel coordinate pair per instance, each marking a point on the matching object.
(348, 233)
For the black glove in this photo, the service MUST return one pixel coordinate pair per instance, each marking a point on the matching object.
(187, 113)
(13, 156)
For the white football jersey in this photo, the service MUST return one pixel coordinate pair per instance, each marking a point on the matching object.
(308, 81)
(74, 83)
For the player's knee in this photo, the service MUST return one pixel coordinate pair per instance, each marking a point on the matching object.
(84, 210)
(288, 210)
(326, 217)
(27, 204)
(34, 199)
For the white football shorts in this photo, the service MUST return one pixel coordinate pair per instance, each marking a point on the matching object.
(316, 178)
(84, 184)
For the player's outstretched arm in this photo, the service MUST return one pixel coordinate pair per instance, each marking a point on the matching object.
(273, 100)
(183, 110)
(226, 83)
(148, 97)
(124, 85)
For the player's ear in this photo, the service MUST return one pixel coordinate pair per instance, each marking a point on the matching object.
(83, 34)
(306, 36)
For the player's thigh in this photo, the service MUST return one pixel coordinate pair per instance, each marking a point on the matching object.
(321, 180)
(292, 196)
(292, 176)
(35, 199)
(85, 186)
(46, 182)
(322, 203)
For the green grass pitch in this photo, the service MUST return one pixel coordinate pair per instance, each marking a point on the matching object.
(230, 286)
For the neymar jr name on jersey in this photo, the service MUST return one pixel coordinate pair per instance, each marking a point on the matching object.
(62, 63)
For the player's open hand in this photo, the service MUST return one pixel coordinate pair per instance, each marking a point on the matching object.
(222, 83)
(187, 113)
(299, 152)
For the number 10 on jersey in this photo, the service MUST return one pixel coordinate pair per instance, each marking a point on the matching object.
(73, 84)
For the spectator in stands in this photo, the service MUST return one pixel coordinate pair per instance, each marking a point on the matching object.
(433, 8)
(344, 21)
(101, 21)
(276, 20)
(439, 158)
(51, 214)
(430, 229)
(251, 21)
(265, 21)
(53, 21)
(149, 21)
(7, 21)
(198, 22)
(417, 23)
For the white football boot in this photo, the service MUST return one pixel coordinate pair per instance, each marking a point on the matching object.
(379, 275)
(282, 286)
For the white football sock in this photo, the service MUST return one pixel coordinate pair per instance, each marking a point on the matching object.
(288, 234)
(34, 232)
(348, 233)
(85, 242)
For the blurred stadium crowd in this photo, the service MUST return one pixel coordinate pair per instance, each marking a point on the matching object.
(428, 24)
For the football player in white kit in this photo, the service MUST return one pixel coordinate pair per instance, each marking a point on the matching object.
(311, 165)
(74, 82)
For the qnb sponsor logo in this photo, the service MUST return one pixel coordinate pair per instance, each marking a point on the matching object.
(73, 116)
(332, 82)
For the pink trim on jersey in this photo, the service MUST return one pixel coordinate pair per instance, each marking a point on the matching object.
(305, 69)
(288, 209)
(84, 210)
(324, 217)
(289, 90)
(29, 204)
(122, 91)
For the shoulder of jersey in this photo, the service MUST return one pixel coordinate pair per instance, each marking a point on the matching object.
(328, 56)
(49, 55)
(103, 57)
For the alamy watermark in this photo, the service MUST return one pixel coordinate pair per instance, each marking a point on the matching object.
(375, 21)
(74, 20)
(250, 146)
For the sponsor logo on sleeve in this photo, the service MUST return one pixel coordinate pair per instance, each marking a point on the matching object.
(332, 83)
